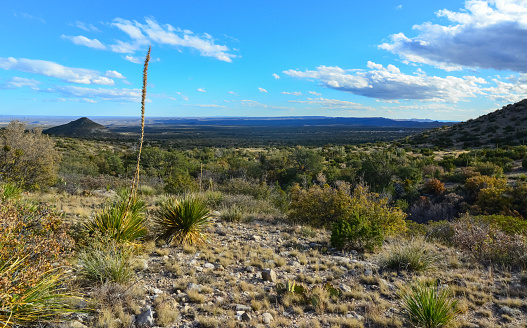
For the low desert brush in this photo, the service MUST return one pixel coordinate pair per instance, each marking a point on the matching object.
(108, 263)
(183, 220)
(414, 255)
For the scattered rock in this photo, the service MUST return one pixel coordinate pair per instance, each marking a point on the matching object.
(267, 318)
(241, 307)
(193, 286)
(208, 266)
(246, 316)
(269, 275)
(146, 318)
(510, 311)
(345, 288)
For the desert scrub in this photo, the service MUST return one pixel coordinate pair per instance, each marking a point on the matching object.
(367, 221)
(183, 220)
(428, 306)
(108, 262)
(413, 255)
(123, 220)
(33, 246)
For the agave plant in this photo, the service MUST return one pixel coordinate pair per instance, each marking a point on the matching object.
(183, 220)
(429, 306)
(124, 220)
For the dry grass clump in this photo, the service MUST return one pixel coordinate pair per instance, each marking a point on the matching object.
(110, 262)
(414, 255)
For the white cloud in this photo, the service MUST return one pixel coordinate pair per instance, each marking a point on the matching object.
(262, 90)
(315, 93)
(276, 76)
(86, 27)
(511, 91)
(294, 93)
(121, 95)
(399, 7)
(232, 93)
(114, 74)
(29, 16)
(485, 34)
(84, 41)
(132, 59)
(201, 90)
(52, 69)
(389, 83)
(208, 105)
(89, 100)
(254, 103)
(334, 104)
(19, 82)
(142, 35)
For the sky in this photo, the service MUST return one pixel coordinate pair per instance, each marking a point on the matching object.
(443, 60)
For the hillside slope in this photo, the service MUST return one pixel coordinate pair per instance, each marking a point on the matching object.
(81, 128)
(505, 126)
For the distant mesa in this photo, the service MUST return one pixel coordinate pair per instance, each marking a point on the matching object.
(81, 128)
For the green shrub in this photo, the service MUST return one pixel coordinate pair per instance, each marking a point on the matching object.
(318, 206)
(10, 191)
(232, 214)
(183, 220)
(106, 263)
(428, 306)
(367, 220)
(121, 221)
(414, 255)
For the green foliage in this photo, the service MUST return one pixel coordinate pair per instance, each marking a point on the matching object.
(367, 221)
(318, 206)
(106, 263)
(10, 191)
(232, 213)
(414, 255)
(183, 220)
(122, 220)
(356, 232)
(428, 306)
(27, 158)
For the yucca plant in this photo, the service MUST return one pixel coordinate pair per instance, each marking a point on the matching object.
(429, 306)
(110, 263)
(183, 220)
(41, 301)
(124, 220)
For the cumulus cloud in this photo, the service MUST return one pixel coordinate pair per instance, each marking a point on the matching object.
(262, 90)
(512, 89)
(120, 95)
(132, 59)
(276, 76)
(487, 34)
(151, 31)
(52, 69)
(84, 41)
(334, 104)
(114, 74)
(389, 83)
(201, 90)
(294, 93)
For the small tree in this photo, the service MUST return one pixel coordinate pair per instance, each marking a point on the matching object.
(27, 158)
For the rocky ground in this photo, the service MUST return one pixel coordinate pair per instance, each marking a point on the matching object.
(236, 280)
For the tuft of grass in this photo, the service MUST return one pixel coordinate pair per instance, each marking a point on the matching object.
(429, 306)
(110, 263)
(183, 220)
(415, 255)
(10, 191)
(124, 220)
(232, 214)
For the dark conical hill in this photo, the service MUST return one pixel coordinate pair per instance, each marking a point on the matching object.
(505, 126)
(81, 128)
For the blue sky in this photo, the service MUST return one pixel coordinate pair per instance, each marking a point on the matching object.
(444, 60)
